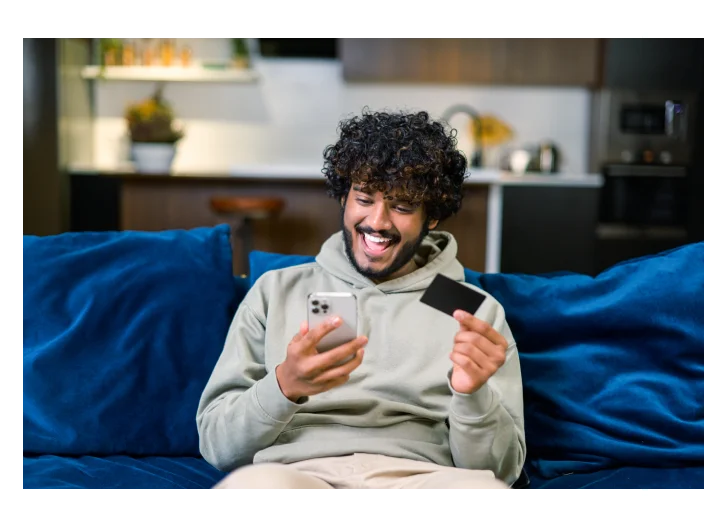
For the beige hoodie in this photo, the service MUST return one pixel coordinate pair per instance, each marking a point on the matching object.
(398, 402)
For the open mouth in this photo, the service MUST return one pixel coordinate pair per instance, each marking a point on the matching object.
(375, 245)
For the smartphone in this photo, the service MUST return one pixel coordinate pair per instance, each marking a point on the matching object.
(322, 306)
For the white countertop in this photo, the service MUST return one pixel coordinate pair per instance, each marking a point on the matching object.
(476, 176)
(301, 171)
(560, 179)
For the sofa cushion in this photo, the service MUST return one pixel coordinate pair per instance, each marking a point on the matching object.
(121, 333)
(112, 472)
(613, 366)
(628, 478)
(261, 261)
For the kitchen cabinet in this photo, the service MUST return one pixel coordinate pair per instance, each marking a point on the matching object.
(549, 230)
(565, 62)
(653, 64)
(555, 62)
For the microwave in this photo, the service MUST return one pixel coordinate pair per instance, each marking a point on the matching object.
(642, 127)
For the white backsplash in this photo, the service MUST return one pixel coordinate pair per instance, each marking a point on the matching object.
(293, 111)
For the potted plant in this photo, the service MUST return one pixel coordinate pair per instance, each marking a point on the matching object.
(240, 53)
(153, 134)
(110, 52)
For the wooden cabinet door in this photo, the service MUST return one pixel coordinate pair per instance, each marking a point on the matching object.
(552, 62)
(408, 58)
(472, 61)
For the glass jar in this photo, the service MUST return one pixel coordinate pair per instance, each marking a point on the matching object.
(167, 52)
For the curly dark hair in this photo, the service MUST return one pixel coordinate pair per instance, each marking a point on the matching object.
(405, 152)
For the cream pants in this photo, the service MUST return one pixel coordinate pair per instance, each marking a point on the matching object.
(358, 471)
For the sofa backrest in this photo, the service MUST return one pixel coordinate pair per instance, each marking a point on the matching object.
(121, 332)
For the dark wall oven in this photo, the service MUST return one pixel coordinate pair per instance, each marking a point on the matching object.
(644, 195)
(642, 143)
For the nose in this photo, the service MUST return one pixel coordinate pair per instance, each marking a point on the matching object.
(379, 218)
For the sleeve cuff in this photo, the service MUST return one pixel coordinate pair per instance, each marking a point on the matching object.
(273, 402)
(472, 407)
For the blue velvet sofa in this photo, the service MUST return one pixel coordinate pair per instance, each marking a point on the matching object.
(122, 330)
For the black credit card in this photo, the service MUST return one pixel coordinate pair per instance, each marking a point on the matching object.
(448, 295)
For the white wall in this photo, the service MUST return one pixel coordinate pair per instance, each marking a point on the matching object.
(292, 112)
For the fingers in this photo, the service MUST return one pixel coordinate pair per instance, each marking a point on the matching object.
(471, 323)
(314, 335)
(474, 338)
(467, 364)
(490, 360)
(343, 371)
(333, 357)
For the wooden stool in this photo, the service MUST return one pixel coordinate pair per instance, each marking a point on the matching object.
(248, 209)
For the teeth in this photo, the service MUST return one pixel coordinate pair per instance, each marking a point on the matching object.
(377, 240)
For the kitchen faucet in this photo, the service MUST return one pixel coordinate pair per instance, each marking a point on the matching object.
(476, 158)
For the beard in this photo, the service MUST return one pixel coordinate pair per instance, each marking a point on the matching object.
(406, 253)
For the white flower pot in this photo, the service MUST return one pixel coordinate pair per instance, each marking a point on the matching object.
(153, 158)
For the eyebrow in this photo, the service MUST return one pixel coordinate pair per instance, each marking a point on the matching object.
(407, 203)
(398, 199)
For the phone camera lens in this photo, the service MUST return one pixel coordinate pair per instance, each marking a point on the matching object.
(315, 303)
(315, 310)
(324, 307)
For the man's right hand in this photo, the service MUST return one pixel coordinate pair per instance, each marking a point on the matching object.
(306, 372)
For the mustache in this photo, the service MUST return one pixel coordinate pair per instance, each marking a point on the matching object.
(384, 233)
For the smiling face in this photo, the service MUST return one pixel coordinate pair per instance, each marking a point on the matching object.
(382, 232)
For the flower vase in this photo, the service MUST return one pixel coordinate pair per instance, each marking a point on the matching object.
(153, 158)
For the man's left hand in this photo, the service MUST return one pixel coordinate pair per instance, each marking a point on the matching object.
(479, 351)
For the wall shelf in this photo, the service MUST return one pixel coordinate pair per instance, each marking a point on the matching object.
(169, 73)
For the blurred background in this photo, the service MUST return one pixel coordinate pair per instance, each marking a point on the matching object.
(584, 152)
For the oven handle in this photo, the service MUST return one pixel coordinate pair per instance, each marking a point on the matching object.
(623, 171)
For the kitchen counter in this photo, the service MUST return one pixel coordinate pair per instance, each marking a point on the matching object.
(308, 174)
(311, 172)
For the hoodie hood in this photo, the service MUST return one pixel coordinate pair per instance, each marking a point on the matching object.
(436, 254)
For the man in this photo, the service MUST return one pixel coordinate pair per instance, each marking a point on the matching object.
(427, 401)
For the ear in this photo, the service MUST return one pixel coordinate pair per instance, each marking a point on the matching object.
(432, 224)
